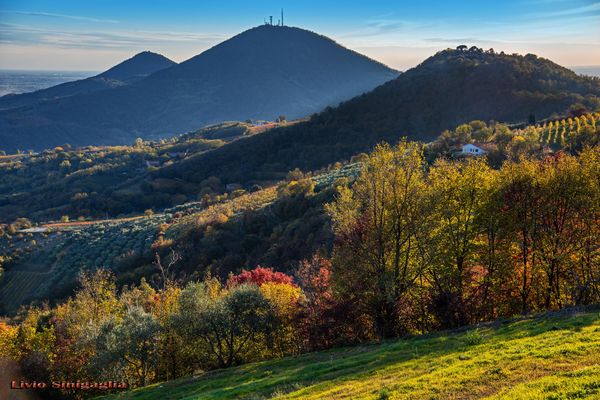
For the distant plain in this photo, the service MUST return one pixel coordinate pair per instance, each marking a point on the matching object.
(23, 81)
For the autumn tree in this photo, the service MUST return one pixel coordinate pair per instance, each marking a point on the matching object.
(281, 291)
(568, 198)
(316, 316)
(34, 344)
(520, 210)
(585, 273)
(78, 321)
(284, 337)
(458, 193)
(376, 223)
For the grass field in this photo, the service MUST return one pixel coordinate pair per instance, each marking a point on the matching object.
(549, 356)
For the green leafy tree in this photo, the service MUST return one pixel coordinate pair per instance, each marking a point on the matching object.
(226, 324)
(129, 346)
(459, 191)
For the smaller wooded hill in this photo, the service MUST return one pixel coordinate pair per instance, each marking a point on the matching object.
(548, 356)
(448, 89)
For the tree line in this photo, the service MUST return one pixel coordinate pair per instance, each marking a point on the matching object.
(418, 247)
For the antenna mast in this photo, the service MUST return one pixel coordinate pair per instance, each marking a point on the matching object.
(270, 20)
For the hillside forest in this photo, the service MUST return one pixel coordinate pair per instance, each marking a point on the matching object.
(409, 238)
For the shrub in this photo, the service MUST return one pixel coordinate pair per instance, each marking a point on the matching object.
(473, 337)
(259, 276)
(384, 394)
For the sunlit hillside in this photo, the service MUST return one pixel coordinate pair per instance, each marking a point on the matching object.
(549, 356)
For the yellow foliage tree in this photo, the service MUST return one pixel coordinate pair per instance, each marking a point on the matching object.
(284, 298)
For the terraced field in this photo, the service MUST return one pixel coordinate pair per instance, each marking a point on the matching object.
(50, 261)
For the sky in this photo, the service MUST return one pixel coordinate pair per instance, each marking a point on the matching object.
(93, 35)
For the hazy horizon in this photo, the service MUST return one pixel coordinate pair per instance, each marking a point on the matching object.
(582, 69)
(93, 72)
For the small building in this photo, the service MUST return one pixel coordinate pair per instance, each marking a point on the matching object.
(471, 149)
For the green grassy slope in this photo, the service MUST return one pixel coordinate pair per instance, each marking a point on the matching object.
(550, 356)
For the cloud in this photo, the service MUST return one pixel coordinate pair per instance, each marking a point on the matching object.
(587, 10)
(30, 35)
(62, 16)
(453, 40)
(386, 25)
(470, 41)
(378, 25)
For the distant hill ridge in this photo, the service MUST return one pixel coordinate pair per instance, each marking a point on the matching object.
(137, 67)
(447, 89)
(261, 73)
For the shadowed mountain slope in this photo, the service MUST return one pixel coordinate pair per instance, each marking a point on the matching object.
(259, 74)
(450, 88)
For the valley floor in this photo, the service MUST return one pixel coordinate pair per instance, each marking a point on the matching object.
(548, 356)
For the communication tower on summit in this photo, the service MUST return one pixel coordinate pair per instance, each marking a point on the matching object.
(270, 21)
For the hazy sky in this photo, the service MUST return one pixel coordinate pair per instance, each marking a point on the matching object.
(96, 34)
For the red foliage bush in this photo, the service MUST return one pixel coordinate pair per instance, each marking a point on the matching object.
(259, 276)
